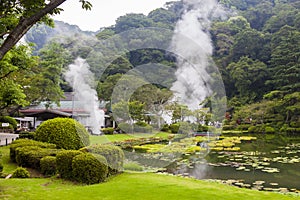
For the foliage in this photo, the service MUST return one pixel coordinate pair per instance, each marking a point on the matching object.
(66, 133)
(108, 131)
(113, 154)
(64, 163)
(133, 166)
(21, 172)
(30, 156)
(10, 120)
(27, 143)
(89, 168)
(142, 127)
(174, 127)
(48, 165)
(26, 134)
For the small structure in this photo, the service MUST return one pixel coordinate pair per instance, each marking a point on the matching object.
(68, 107)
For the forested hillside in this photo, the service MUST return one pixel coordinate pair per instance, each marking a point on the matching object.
(257, 51)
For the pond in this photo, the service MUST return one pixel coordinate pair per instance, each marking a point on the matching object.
(270, 162)
(262, 162)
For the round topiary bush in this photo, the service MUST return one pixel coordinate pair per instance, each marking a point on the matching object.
(89, 169)
(64, 163)
(21, 172)
(48, 165)
(66, 133)
(113, 154)
(10, 120)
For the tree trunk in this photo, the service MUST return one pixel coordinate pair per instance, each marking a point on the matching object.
(24, 25)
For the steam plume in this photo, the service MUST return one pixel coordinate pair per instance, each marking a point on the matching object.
(81, 78)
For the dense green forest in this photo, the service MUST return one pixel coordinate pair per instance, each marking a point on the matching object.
(257, 51)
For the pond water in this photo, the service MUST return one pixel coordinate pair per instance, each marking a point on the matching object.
(271, 162)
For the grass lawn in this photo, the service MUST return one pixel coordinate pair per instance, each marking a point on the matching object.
(119, 137)
(130, 187)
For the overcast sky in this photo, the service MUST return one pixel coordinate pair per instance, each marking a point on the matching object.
(104, 12)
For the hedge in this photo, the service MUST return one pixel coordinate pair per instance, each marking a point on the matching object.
(174, 128)
(26, 142)
(21, 172)
(89, 169)
(48, 165)
(108, 131)
(30, 156)
(113, 154)
(64, 163)
(10, 120)
(25, 134)
(66, 133)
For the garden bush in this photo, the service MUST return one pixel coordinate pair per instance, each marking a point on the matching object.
(113, 154)
(202, 128)
(25, 134)
(165, 128)
(30, 156)
(243, 127)
(10, 120)
(142, 127)
(174, 128)
(64, 163)
(66, 133)
(108, 131)
(48, 165)
(89, 169)
(269, 129)
(133, 166)
(21, 172)
(26, 142)
(125, 128)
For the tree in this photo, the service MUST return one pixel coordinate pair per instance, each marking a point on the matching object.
(14, 66)
(132, 21)
(285, 67)
(248, 75)
(17, 17)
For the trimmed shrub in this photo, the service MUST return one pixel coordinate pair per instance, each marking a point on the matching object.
(269, 129)
(133, 166)
(165, 128)
(125, 128)
(228, 127)
(142, 127)
(113, 154)
(89, 169)
(30, 156)
(174, 128)
(243, 127)
(10, 120)
(66, 133)
(64, 163)
(25, 134)
(21, 172)
(108, 131)
(202, 128)
(48, 165)
(26, 142)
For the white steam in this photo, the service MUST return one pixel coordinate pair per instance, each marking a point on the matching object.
(192, 42)
(81, 78)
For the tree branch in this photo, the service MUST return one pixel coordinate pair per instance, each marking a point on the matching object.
(24, 25)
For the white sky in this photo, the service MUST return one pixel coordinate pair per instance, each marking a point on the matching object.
(104, 12)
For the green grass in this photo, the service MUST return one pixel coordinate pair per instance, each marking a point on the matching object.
(130, 187)
(8, 167)
(120, 137)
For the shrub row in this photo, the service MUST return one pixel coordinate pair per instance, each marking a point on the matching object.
(108, 131)
(26, 143)
(114, 156)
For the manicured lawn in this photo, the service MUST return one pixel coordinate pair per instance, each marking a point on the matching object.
(8, 167)
(119, 137)
(130, 187)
